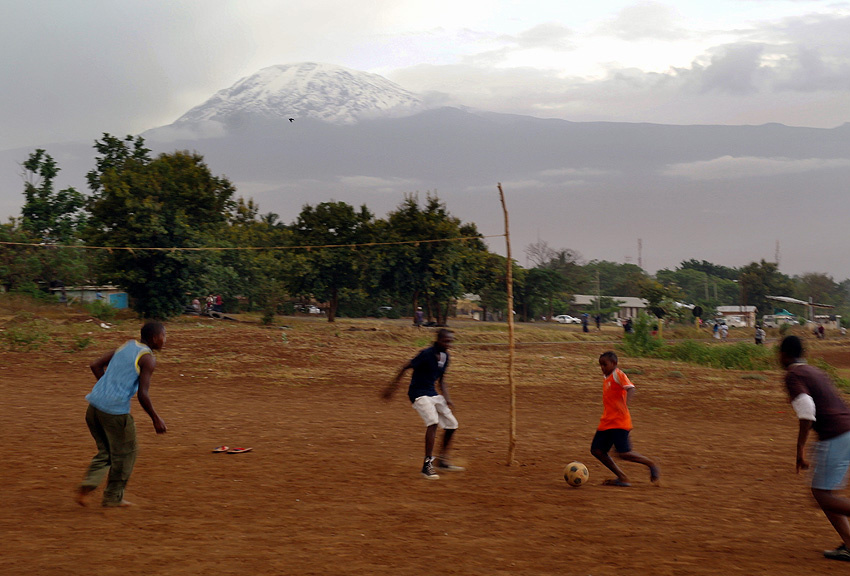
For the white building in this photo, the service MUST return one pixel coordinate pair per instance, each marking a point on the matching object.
(739, 316)
(630, 306)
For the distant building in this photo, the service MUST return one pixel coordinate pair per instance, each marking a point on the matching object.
(739, 316)
(630, 306)
(111, 295)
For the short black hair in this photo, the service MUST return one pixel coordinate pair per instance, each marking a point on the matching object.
(443, 332)
(791, 347)
(151, 330)
(609, 356)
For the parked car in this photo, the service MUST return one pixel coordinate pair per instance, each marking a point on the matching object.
(567, 319)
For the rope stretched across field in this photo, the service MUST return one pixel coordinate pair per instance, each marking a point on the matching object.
(226, 248)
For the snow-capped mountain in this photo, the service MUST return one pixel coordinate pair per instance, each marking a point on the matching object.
(320, 91)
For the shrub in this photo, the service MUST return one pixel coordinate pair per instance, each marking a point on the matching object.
(100, 310)
(81, 342)
(641, 342)
(25, 337)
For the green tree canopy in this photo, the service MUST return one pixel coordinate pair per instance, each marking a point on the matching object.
(325, 272)
(171, 201)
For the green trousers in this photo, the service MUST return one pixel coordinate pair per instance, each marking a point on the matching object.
(115, 436)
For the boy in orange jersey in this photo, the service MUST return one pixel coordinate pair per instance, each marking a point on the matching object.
(616, 423)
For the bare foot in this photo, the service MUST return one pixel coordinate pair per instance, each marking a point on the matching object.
(616, 482)
(122, 504)
(655, 475)
(81, 493)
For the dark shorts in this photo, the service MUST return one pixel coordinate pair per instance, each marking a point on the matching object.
(616, 437)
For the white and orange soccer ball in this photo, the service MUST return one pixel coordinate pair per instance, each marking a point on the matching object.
(576, 474)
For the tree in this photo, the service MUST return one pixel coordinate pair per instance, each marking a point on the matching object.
(170, 202)
(436, 272)
(324, 272)
(114, 153)
(543, 287)
(706, 267)
(757, 280)
(49, 215)
(614, 279)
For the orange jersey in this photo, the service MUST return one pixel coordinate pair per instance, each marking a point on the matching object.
(615, 411)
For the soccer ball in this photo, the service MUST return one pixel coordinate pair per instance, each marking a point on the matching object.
(576, 474)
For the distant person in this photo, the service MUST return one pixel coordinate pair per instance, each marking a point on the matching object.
(219, 303)
(418, 317)
(429, 368)
(724, 332)
(196, 305)
(616, 424)
(210, 304)
(598, 319)
(819, 407)
(716, 330)
(760, 335)
(585, 318)
(628, 327)
(821, 332)
(120, 374)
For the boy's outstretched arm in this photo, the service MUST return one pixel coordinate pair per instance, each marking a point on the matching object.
(98, 367)
(629, 393)
(444, 390)
(390, 390)
(802, 436)
(147, 363)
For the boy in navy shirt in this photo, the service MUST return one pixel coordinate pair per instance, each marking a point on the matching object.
(429, 367)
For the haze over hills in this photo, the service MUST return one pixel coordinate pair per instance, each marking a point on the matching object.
(721, 193)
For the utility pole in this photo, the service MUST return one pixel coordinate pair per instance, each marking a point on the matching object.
(640, 253)
(598, 293)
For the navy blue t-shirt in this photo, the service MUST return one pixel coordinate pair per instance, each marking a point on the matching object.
(428, 367)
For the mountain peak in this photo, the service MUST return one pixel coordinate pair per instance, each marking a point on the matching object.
(320, 91)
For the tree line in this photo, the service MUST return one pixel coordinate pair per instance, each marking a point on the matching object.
(174, 200)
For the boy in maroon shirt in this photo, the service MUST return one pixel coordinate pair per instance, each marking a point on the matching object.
(819, 407)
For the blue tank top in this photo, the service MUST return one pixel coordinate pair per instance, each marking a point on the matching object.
(120, 381)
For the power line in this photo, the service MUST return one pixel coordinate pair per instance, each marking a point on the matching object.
(230, 248)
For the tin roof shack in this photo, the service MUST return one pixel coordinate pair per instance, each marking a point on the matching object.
(109, 294)
(832, 321)
(738, 316)
(630, 306)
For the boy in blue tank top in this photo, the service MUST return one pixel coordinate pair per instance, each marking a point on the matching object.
(120, 375)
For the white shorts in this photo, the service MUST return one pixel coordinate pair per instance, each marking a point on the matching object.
(435, 410)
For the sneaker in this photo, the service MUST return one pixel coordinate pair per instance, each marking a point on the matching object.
(447, 466)
(428, 470)
(840, 553)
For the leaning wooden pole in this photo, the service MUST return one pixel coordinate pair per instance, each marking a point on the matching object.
(510, 288)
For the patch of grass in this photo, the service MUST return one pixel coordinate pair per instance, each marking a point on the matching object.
(80, 342)
(632, 371)
(101, 310)
(675, 374)
(760, 377)
(840, 381)
(25, 337)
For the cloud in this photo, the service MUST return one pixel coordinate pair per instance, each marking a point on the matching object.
(733, 168)
(549, 35)
(645, 21)
(795, 71)
(377, 184)
(572, 172)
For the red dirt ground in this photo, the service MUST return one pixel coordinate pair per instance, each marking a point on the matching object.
(332, 486)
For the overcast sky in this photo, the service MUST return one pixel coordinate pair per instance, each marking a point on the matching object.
(72, 69)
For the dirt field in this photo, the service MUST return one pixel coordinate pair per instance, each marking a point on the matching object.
(332, 486)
